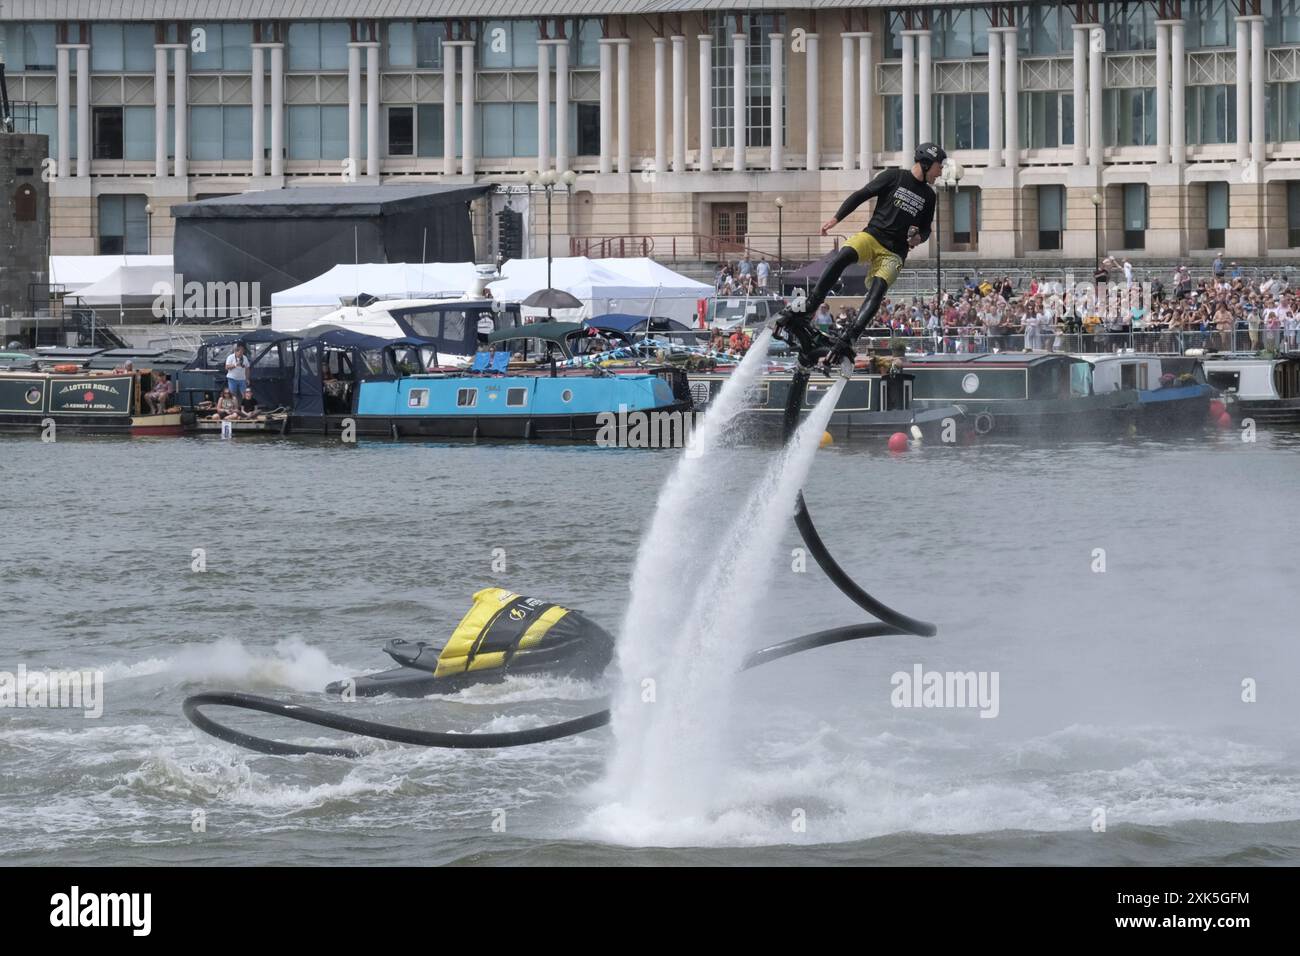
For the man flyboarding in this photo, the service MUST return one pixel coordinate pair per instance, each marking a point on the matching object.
(905, 203)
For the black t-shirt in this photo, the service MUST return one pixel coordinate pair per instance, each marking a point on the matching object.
(248, 404)
(904, 201)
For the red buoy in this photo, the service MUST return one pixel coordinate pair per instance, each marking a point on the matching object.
(898, 442)
(1217, 408)
(1224, 421)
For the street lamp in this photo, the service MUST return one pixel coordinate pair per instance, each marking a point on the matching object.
(148, 229)
(548, 179)
(950, 177)
(780, 229)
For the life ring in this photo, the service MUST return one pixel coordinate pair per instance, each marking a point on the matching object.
(67, 368)
(983, 423)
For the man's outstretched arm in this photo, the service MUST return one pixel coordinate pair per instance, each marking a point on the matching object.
(880, 184)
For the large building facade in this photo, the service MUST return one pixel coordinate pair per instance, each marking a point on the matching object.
(1157, 129)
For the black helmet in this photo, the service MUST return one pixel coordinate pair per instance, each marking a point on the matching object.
(927, 154)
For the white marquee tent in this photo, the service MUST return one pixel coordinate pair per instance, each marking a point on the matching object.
(628, 286)
(298, 307)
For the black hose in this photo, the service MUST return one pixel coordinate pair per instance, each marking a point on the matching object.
(891, 622)
(472, 741)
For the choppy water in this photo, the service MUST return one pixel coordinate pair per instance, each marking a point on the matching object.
(1119, 690)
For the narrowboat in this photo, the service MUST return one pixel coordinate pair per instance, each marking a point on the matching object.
(396, 388)
(271, 360)
(1264, 389)
(1172, 392)
(1030, 393)
(81, 401)
(876, 402)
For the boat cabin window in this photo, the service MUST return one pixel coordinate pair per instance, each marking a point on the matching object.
(267, 356)
(516, 397)
(1080, 379)
(531, 349)
(447, 324)
(1223, 380)
(466, 397)
(407, 361)
(1133, 375)
(214, 356)
(1286, 379)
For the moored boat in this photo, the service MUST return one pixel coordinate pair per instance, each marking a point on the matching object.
(1266, 389)
(1172, 392)
(79, 401)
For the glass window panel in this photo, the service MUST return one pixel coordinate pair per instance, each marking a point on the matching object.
(1216, 205)
(304, 131)
(428, 45)
(1135, 206)
(588, 47)
(956, 38)
(210, 58)
(979, 121)
(236, 47)
(334, 131)
(334, 46)
(399, 50)
(981, 24)
(1067, 119)
(894, 37)
(1293, 204)
(1290, 109)
(137, 132)
(137, 225)
(1051, 208)
(47, 122)
(524, 43)
(137, 43)
(525, 139)
(893, 123)
(105, 48)
(498, 128)
(303, 42)
(205, 132)
(237, 132)
(38, 46)
(401, 130)
(961, 211)
(1289, 28)
(428, 125)
(112, 216)
(11, 46)
(494, 44)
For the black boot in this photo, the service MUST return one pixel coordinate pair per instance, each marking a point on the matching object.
(843, 346)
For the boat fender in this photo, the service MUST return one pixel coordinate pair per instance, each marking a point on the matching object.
(984, 423)
(67, 368)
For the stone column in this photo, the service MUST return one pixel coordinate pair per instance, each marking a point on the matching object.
(995, 99)
(1096, 75)
(739, 91)
(467, 78)
(181, 96)
(449, 107)
(1243, 89)
(562, 105)
(909, 95)
(63, 89)
(1011, 118)
(1257, 74)
(1177, 95)
(777, 97)
(706, 97)
(813, 120)
(847, 90)
(1162, 92)
(277, 109)
(544, 104)
(625, 105)
(372, 109)
(1080, 65)
(925, 80)
(160, 112)
(606, 106)
(866, 102)
(84, 149)
(661, 104)
(257, 84)
(679, 104)
(354, 104)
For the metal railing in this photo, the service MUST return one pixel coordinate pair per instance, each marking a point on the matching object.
(969, 339)
(788, 248)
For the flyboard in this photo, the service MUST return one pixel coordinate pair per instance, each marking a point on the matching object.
(506, 633)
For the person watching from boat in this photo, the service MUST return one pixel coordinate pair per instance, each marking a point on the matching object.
(227, 406)
(126, 368)
(247, 406)
(237, 369)
(739, 342)
(159, 397)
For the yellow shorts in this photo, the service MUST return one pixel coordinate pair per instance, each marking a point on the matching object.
(884, 263)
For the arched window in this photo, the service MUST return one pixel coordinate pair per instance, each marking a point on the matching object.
(25, 203)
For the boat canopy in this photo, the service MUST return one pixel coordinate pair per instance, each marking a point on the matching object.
(622, 322)
(347, 357)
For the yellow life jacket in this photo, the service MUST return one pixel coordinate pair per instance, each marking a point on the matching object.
(499, 624)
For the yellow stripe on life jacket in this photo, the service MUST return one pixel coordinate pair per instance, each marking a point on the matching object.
(500, 623)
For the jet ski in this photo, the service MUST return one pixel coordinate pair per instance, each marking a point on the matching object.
(502, 634)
